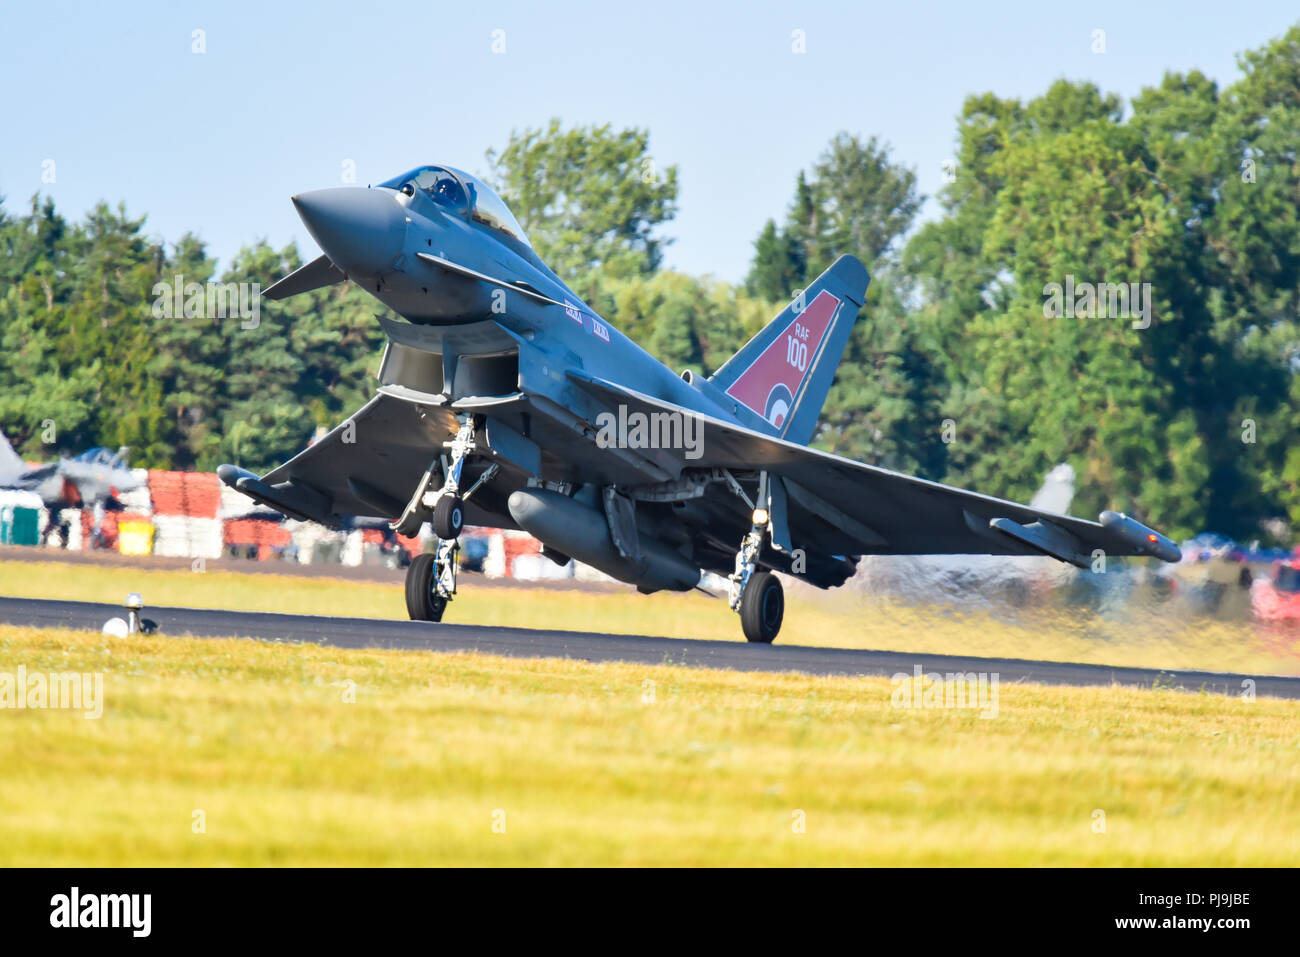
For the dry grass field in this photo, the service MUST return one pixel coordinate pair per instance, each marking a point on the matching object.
(237, 752)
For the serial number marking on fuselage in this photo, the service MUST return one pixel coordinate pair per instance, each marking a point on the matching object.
(587, 320)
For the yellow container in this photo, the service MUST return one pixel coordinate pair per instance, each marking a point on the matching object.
(135, 538)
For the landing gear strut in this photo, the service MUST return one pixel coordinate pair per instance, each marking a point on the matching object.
(431, 579)
(756, 595)
(443, 506)
(448, 508)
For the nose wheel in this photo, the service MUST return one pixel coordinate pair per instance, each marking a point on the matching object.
(431, 579)
(423, 603)
(431, 582)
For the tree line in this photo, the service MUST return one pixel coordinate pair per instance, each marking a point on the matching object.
(958, 369)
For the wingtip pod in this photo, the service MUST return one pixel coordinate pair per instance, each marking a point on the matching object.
(231, 474)
(292, 500)
(1146, 539)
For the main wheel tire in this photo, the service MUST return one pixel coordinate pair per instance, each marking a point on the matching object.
(422, 604)
(448, 518)
(762, 608)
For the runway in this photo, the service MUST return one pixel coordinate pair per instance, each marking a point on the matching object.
(589, 646)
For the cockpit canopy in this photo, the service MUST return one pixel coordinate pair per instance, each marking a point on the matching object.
(463, 193)
(100, 456)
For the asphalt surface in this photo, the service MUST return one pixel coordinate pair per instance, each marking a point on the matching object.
(587, 646)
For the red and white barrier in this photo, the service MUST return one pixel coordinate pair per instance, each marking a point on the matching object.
(194, 515)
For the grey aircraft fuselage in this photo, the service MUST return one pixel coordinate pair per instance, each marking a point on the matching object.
(385, 241)
(491, 331)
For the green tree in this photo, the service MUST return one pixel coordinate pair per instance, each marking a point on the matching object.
(590, 198)
(780, 264)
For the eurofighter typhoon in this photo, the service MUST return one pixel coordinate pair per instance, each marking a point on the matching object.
(505, 401)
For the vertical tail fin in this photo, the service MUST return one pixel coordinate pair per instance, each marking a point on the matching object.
(11, 463)
(784, 373)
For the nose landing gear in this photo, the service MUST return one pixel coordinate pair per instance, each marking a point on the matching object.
(424, 601)
(431, 579)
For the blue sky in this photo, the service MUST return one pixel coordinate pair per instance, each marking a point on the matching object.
(285, 94)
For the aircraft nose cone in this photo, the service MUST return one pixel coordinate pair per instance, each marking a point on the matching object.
(360, 230)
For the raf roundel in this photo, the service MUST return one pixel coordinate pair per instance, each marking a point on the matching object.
(778, 405)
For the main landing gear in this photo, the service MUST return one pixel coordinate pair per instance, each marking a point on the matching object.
(448, 517)
(756, 595)
(431, 579)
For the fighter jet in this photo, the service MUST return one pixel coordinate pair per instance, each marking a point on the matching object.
(95, 475)
(504, 400)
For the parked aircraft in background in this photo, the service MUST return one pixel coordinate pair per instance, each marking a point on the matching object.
(87, 480)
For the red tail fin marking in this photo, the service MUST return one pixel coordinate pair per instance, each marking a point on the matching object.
(772, 381)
